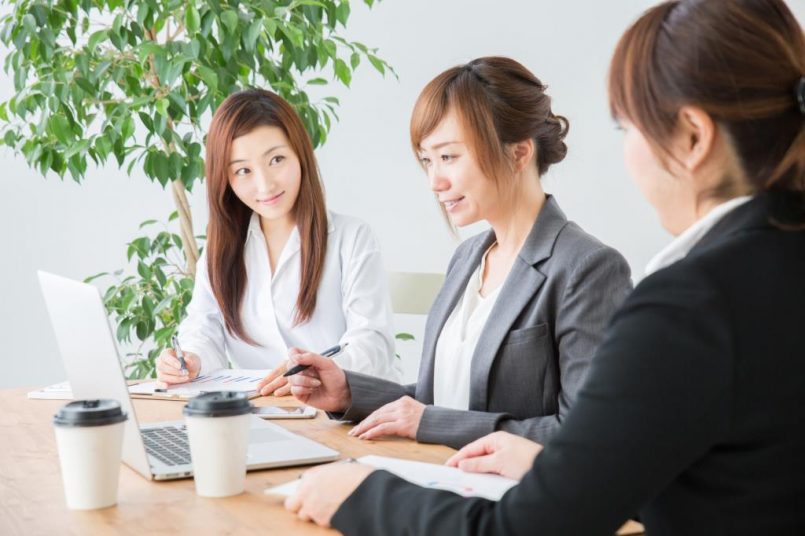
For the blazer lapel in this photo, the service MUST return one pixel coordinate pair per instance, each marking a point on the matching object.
(520, 286)
(443, 305)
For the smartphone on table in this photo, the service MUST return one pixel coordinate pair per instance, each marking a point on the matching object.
(284, 412)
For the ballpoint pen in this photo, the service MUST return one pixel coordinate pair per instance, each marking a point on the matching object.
(330, 352)
(179, 354)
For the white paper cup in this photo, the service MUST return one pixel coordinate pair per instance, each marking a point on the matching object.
(89, 438)
(218, 432)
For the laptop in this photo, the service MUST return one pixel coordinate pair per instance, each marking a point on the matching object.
(157, 451)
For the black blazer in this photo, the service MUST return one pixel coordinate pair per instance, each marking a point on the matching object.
(693, 412)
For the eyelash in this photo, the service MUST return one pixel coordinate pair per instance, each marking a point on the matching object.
(278, 158)
(425, 161)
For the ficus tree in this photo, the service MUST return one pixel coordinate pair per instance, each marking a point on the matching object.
(133, 81)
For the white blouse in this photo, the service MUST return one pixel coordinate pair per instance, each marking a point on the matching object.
(352, 305)
(457, 341)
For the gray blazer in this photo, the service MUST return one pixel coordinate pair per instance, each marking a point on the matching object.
(536, 346)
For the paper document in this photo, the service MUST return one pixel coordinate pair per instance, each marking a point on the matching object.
(218, 380)
(58, 391)
(429, 475)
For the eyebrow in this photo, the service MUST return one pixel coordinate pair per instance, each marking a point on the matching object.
(440, 145)
(264, 154)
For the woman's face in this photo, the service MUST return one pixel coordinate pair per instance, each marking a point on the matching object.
(466, 194)
(669, 195)
(265, 173)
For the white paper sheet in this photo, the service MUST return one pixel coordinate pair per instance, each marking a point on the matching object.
(241, 380)
(429, 475)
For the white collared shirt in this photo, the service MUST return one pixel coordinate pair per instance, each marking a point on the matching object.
(682, 244)
(352, 305)
(457, 342)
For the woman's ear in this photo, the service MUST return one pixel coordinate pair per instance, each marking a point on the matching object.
(696, 137)
(523, 153)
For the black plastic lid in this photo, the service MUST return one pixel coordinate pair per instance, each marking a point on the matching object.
(89, 413)
(218, 404)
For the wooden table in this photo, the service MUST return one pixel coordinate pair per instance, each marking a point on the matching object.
(32, 500)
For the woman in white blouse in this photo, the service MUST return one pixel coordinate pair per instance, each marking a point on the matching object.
(279, 270)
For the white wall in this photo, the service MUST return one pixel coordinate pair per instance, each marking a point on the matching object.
(78, 230)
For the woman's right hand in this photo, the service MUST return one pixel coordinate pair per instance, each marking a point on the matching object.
(169, 369)
(322, 385)
(501, 453)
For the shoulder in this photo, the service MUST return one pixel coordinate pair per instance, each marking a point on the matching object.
(577, 253)
(350, 234)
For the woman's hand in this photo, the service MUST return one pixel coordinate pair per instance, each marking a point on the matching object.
(275, 382)
(398, 418)
(501, 453)
(169, 369)
(322, 385)
(323, 489)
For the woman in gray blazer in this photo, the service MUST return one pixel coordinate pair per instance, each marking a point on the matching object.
(511, 335)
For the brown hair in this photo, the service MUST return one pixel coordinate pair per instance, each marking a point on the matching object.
(238, 115)
(499, 102)
(739, 61)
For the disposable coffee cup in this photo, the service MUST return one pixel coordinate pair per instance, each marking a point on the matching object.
(89, 438)
(218, 432)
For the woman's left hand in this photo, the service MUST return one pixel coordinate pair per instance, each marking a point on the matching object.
(323, 489)
(275, 382)
(398, 418)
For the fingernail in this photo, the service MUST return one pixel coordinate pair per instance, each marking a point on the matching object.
(351, 432)
(316, 383)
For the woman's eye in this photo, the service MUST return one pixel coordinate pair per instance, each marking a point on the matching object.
(276, 160)
(424, 160)
(448, 157)
(241, 171)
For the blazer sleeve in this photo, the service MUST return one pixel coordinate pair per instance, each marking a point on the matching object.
(202, 330)
(370, 393)
(658, 397)
(367, 310)
(594, 291)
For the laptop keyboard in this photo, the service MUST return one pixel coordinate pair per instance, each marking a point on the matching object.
(167, 444)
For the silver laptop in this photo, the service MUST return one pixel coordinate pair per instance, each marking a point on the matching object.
(157, 451)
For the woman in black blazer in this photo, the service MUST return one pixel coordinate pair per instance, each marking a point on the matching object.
(693, 413)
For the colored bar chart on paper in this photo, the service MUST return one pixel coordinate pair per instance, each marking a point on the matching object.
(242, 380)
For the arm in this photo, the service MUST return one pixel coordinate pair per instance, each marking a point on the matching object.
(657, 398)
(594, 291)
(369, 393)
(202, 330)
(367, 311)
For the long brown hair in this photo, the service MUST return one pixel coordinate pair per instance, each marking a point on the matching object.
(498, 102)
(238, 115)
(738, 60)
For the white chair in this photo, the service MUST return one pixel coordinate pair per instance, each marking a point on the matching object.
(412, 293)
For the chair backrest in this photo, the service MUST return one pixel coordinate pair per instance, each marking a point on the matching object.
(413, 293)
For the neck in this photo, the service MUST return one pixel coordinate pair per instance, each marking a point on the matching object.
(277, 228)
(515, 219)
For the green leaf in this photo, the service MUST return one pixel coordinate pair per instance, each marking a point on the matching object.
(342, 12)
(317, 82)
(251, 35)
(60, 127)
(230, 20)
(354, 60)
(192, 20)
(162, 106)
(29, 23)
(146, 223)
(96, 38)
(378, 64)
(404, 337)
(342, 72)
(208, 76)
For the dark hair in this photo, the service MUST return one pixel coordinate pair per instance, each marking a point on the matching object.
(499, 102)
(238, 115)
(738, 60)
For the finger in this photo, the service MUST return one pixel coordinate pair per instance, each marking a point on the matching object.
(293, 502)
(378, 416)
(313, 360)
(273, 385)
(277, 372)
(481, 464)
(479, 447)
(385, 429)
(302, 392)
(285, 390)
(171, 378)
(169, 361)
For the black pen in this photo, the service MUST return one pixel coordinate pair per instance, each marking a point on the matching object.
(330, 352)
(179, 354)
